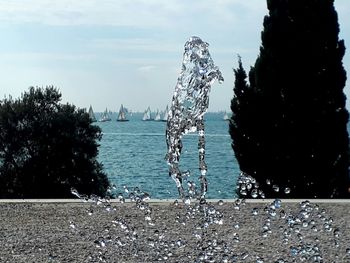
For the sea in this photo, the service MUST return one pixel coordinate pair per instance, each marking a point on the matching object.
(132, 154)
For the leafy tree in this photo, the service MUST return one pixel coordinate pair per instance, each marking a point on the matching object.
(46, 148)
(292, 131)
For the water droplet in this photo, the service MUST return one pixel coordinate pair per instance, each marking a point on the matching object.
(283, 214)
(121, 198)
(211, 210)
(255, 211)
(75, 192)
(126, 189)
(243, 192)
(72, 225)
(272, 212)
(327, 227)
(225, 258)
(294, 251)
(277, 203)
(276, 188)
(262, 194)
(220, 202)
(179, 243)
(305, 224)
(287, 190)
(187, 201)
(132, 197)
(198, 236)
(108, 207)
(336, 232)
(100, 242)
(249, 186)
(145, 197)
(244, 255)
(336, 243)
(235, 237)
(254, 193)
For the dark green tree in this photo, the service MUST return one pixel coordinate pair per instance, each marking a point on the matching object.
(46, 148)
(240, 125)
(296, 116)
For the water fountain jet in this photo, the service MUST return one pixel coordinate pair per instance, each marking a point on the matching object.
(189, 104)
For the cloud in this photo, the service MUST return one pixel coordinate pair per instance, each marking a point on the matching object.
(135, 44)
(147, 69)
(87, 12)
(140, 13)
(37, 56)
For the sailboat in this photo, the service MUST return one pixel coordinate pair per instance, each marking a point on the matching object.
(166, 112)
(122, 114)
(105, 116)
(226, 118)
(92, 114)
(147, 115)
(157, 117)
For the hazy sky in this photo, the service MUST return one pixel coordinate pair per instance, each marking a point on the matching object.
(108, 52)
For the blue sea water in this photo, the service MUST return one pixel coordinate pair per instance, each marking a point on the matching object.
(133, 152)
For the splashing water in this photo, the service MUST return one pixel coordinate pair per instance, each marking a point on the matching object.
(189, 104)
(239, 231)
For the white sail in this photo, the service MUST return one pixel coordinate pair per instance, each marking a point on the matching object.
(147, 115)
(157, 117)
(105, 116)
(92, 114)
(166, 112)
(226, 118)
(122, 114)
(144, 118)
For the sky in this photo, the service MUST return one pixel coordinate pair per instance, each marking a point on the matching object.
(110, 52)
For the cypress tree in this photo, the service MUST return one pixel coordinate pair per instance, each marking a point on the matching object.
(241, 119)
(297, 116)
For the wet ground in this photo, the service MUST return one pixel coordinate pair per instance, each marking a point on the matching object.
(167, 232)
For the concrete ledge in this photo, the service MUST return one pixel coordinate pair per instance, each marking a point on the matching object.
(170, 201)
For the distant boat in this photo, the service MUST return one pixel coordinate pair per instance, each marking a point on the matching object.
(147, 115)
(129, 112)
(165, 115)
(157, 117)
(226, 117)
(105, 116)
(92, 114)
(122, 114)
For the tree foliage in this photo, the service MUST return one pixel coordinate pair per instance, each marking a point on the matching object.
(289, 123)
(46, 148)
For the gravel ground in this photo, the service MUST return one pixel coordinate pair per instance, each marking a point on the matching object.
(166, 232)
